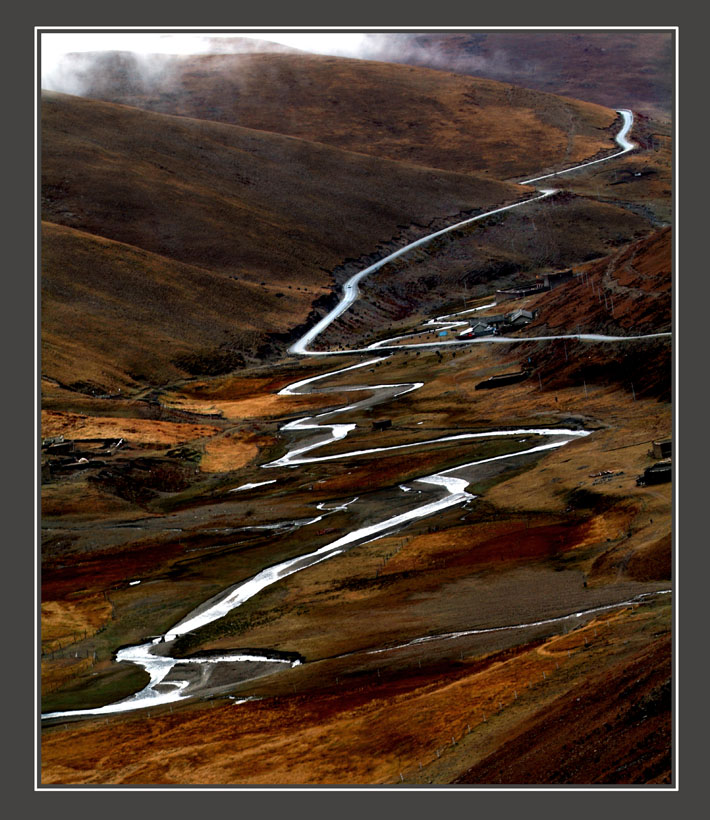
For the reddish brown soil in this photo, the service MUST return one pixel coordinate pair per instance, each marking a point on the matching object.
(614, 728)
(652, 560)
(370, 728)
(108, 569)
(626, 294)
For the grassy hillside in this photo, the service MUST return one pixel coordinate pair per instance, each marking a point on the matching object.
(231, 221)
(112, 311)
(627, 292)
(624, 294)
(368, 156)
(415, 115)
(229, 198)
(501, 251)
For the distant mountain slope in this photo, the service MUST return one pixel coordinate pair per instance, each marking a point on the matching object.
(632, 69)
(417, 115)
(224, 206)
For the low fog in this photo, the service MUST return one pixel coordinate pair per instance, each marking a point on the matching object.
(73, 63)
(626, 68)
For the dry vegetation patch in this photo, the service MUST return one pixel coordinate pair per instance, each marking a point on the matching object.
(229, 452)
(66, 621)
(139, 431)
(79, 499)
(252, 407)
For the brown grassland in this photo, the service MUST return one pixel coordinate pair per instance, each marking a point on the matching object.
(183, 248)
(432, 119)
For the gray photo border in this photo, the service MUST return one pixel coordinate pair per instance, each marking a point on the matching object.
(689, 30)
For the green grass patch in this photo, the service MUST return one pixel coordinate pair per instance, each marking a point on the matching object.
(90, 692)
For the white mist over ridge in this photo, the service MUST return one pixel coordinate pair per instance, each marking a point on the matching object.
(61, 62)
(149, 53)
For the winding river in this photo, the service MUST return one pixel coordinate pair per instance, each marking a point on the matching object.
(173, 679)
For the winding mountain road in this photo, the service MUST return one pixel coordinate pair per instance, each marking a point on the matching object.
(442, 490)
(351, 290)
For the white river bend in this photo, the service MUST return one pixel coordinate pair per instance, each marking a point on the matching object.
(437, 492)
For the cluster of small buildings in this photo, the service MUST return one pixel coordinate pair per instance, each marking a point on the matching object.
(501, 322)
(504, 322)
(661, 471)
